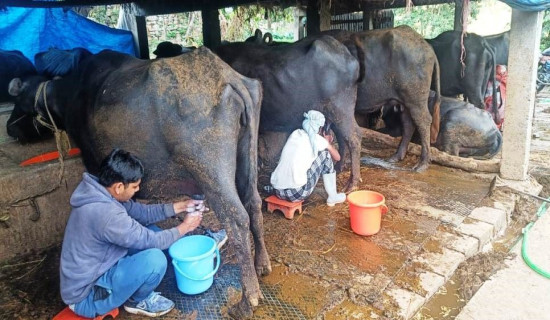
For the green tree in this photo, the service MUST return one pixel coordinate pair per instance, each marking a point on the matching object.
(107, 15)
(545, 36)
(432, 20)
(239, 23)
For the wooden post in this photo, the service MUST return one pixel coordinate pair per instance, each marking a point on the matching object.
(325, 16)
(313, 18)
(459, 5)
(143, 43)
(367, 19)
(211, 34)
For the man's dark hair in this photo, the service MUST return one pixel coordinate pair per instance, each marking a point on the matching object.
(120, 166)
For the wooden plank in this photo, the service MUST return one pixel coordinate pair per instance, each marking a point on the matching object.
(467, 164)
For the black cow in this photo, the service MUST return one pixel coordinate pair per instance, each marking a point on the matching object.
(500, 44)
(470, 75)
(13, 64)
(190, 116)
(465, 130)
(400, 67)
(258, 38)
(314, 73)
(167, 49)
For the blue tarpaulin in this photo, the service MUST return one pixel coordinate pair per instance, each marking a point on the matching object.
(35, 30)
(528, 5)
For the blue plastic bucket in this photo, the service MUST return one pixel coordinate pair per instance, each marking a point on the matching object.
(192, 257)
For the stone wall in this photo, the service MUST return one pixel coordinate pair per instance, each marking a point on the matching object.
(39, 222)
(181, 28)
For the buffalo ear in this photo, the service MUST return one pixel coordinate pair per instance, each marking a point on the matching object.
(268, 38)
(15, 87)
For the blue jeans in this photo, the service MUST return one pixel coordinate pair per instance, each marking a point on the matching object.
(134, 276)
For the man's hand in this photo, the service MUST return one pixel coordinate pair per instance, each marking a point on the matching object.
(329, 138)
(189, 206)
(190, 222)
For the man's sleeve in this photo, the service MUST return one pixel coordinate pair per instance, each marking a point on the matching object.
(126, 232)
(147, 214)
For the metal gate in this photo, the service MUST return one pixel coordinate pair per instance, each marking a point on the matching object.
(354, 21)
(349, 21)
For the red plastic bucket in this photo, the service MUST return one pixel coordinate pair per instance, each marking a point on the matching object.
(365, 211)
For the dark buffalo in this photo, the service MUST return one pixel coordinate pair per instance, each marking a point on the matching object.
(258, 38)
(190, 116)
(400, 68)
(167, 49)
(314, 73)
(467, 75)
(13, 64)
(465, 130)
(500, 44)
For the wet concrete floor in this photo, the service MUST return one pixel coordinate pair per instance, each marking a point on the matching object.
(447, 302)
(322, 270)
(348, 273)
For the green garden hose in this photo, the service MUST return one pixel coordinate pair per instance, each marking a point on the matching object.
(525, 231)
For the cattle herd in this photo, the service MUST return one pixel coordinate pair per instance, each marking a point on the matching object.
(194, 118)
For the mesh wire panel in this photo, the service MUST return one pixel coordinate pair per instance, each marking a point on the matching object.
(208, 304)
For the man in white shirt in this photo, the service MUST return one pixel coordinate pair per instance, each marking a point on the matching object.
(306, 156)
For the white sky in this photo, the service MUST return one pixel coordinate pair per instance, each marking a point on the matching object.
(493, 17)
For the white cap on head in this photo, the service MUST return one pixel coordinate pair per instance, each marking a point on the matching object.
(313, 121)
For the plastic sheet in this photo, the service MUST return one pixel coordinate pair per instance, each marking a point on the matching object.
(38, 29)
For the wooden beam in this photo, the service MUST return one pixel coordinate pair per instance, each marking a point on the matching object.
(144, 6)
(174, 6)
(371, 5)
(313, 25)
(211, 34)
(458, 23)
(442, 158)
(143, 43)
(58, 4)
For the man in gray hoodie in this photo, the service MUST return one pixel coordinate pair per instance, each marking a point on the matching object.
(97, 271)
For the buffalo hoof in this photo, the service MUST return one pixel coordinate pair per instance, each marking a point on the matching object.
(242, 310)
(421, 167)
(263, 268)
(351, 185)
(394, 159)
(338, 167)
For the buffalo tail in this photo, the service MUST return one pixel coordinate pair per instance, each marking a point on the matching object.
(434, 128)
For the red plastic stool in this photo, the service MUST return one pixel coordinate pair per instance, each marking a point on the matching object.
(68, 314)
(286, 207)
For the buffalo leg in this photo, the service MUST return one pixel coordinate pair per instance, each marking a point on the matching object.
(347, 132)
(422, 120)
(218, 181)
(234, 217)
(474, 90)
(247, 185)
(408, 130)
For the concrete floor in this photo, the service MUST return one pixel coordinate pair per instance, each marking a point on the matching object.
(518, 292)
(322, 270)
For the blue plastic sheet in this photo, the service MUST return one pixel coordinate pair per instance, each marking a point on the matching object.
(36, 30)
(528, 5)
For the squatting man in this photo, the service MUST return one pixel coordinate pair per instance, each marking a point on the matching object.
(112, 251)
